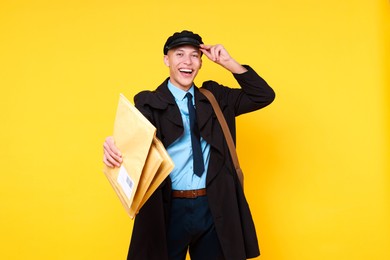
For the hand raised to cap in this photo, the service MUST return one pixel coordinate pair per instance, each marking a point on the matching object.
(219, 55)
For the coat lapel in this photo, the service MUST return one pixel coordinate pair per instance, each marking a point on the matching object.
(167, 101)
(170, 124)
(211, 131)
(207, 121)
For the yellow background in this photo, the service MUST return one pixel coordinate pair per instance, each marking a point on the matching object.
(316, 161)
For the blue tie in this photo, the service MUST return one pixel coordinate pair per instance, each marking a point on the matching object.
(195, 138)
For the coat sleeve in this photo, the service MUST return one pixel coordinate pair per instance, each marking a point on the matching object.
(254, 94)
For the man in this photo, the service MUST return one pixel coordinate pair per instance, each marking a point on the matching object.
(200, 207)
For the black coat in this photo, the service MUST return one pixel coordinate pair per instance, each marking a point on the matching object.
(231, 214)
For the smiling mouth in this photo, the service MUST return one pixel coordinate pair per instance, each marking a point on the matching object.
(186, 71)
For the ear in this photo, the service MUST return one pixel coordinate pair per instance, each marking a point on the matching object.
(166, 60)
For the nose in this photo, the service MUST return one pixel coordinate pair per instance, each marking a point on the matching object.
(187, 59)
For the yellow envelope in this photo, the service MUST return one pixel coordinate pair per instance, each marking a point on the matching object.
(152, 164)
(164, 170)
(146, 163)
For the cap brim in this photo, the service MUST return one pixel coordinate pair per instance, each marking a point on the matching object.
(183, 41)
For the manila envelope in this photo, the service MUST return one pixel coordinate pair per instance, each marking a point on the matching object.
(145, 161)
(152, 164)
(133, 135)
(163, 171)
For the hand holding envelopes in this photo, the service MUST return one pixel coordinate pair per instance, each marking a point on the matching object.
(145, 164)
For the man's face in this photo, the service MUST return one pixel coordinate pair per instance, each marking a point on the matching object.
(184, 63)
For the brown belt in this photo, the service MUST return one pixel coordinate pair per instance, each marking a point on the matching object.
(188, 194)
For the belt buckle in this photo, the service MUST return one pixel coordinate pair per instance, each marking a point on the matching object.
(194, 194)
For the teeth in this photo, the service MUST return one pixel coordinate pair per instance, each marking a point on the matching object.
(186, 70)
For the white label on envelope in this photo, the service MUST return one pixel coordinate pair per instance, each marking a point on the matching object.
(125, 181)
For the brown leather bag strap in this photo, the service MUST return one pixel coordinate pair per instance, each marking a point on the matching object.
(226, 132)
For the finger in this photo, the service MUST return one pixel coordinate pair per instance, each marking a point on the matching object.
(110, 146)
(220, 51)
(110, 141)
(206, 51)
(111, 161)
(112, 152)
(215, 53)
(209, 51)
(204, 46)
(112, 155)
(107, 162)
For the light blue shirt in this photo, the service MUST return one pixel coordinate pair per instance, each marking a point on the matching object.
(183, 176)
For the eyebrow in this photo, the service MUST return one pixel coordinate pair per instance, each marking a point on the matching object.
(182, 50)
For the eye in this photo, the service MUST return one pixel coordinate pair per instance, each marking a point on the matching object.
(179, 54)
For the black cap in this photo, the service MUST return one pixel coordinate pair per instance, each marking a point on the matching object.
(182, 38)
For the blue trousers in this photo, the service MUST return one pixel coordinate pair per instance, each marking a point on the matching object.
(192, 229)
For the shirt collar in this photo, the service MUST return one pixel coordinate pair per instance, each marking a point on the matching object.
(178, 93)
